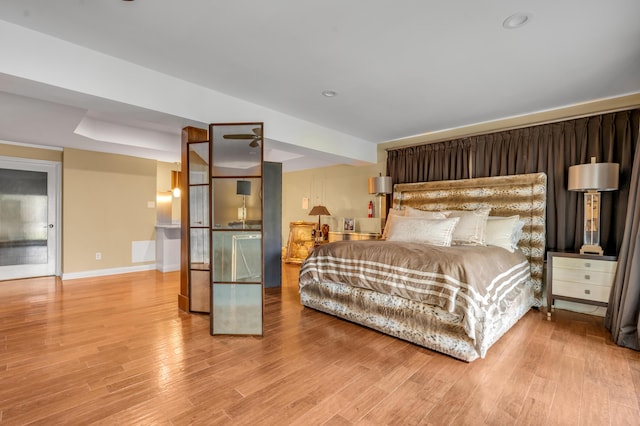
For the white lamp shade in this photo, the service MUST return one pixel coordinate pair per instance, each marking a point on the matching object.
(594, 177)
(380, 185)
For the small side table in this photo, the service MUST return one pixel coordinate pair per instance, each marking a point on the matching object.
(581, 278)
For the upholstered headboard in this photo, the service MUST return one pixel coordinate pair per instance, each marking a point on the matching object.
(524, 195)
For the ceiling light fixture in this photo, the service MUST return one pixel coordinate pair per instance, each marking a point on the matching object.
(329, 93)
(517, 20)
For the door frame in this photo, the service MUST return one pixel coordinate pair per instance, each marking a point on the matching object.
(54, 170)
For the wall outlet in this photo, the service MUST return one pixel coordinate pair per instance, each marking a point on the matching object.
(98, 256)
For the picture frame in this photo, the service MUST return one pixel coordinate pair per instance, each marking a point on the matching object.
(349, 224)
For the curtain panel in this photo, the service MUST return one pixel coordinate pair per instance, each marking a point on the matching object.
(623, 311)
(549, 148)
(426, 163)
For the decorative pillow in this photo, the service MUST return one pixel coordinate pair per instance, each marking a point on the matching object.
(427, 214)
(502, 231)
(437, 232)
(517, 233)
(392, 213)
(472, 227)
(395, 212)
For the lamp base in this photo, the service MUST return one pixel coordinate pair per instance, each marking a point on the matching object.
(591, 249)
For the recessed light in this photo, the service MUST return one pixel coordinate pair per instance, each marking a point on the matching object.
(329, 93)
(516, 20)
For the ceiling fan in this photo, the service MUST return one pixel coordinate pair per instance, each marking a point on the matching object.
(255, 137)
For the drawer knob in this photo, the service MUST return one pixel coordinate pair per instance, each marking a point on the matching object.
(587, 265)
(587, 277)
(587, 292)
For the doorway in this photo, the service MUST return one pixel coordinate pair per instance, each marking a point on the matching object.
(29, 218)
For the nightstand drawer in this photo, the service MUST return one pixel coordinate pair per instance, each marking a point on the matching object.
(581, 291)
(585, 276)
(584, 264)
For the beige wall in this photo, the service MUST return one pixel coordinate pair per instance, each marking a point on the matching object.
(163, 185)
(19, 151)
(342, 189)
(105, 208)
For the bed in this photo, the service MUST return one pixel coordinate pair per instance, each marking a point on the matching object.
(401, 288)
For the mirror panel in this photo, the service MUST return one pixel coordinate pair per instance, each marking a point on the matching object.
(198, 163)
(236, 228)
(199, 234)
(237, 203)
(199, 291)
(236, 149)
(237, 309)
(199, 205)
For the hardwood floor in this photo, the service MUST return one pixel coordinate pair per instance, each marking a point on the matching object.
(116, 350)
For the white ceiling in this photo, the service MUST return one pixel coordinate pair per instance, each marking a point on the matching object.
(125, 77)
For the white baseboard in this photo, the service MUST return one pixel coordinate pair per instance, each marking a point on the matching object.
(111, 271)
(168, 268)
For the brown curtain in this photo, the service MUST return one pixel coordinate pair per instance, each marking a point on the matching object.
(426, 163)
(549, 148)
(623, 312)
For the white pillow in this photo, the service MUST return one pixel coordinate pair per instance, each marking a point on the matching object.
(517, 233)
(392, 213)
(437, 232)
(504, 232)
(472, 227)
(427, 214)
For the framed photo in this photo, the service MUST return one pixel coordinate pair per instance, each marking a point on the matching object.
(349, 224)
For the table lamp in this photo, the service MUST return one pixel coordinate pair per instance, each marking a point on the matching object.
(319, 211)
(592, 178)
(381, 186)
(243, 187)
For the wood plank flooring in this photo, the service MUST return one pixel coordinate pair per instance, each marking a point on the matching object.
(116, 350)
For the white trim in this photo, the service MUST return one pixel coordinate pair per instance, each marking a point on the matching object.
(30, 161)
(167, 268)
(111, 271)
(30, 145)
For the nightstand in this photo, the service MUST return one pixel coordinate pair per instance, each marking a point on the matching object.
(581, 278)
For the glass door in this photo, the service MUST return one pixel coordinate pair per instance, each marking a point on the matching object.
(28, 218)
(236, 228)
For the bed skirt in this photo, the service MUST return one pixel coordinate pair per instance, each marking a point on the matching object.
(415, 322)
